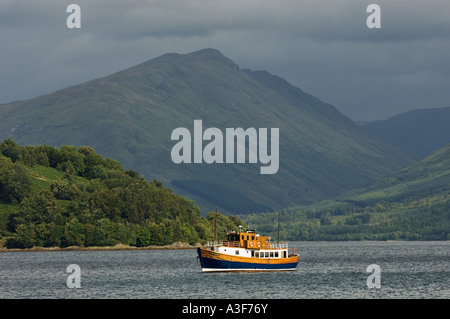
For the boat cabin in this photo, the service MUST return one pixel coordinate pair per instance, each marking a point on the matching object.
(250, 244)
(249, 240)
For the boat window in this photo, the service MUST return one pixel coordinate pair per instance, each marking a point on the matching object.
(257, 254)
(276, 254)
(237, 252)
(267, 254)
(271, 254)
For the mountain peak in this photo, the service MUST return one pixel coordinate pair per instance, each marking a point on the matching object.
(208, 52)
(213, 55)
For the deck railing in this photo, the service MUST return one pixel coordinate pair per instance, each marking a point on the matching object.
(281, 245)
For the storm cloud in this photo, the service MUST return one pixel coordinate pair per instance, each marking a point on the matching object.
(323, 47)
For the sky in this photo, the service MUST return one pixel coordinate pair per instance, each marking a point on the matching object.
(323, 47)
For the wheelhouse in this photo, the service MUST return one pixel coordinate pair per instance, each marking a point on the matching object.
(250, 244)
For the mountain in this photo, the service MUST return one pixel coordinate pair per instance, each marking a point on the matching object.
(425, 179)
(421, 131)
(412, 204)
(130, 116)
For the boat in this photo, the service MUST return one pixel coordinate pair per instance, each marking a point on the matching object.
(246, 251)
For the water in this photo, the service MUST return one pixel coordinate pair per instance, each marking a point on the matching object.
(326, 270)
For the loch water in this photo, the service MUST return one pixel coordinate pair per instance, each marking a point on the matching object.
(327, 270)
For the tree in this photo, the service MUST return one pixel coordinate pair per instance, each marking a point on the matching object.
(143, 236)
(25, 236)
(325, 220)
(104, 233)
(35, 210)
(61, 189)
(14, 182)
(74, 233)
(10, 149)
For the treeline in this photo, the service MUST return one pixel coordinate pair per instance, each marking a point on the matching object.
(388, 221)
(408, 220)
(94, 202)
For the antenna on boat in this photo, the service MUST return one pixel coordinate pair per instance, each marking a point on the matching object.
(215, 227)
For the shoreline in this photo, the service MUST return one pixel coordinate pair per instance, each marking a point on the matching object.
(174, 246)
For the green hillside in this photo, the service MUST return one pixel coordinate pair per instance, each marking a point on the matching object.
(68, 196)
(413, 204)
(130, 115)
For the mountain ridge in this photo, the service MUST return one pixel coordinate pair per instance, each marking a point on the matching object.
(420, 131)
(130, 114)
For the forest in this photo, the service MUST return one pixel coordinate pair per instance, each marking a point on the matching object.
(69, 196)
(411, 204)
(412, 217)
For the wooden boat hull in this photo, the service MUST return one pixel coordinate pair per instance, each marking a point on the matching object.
(212, 261)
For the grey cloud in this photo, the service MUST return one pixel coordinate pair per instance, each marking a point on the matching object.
(324, 47)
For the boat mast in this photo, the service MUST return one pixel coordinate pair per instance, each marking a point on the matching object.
(278, 230)
(240, 228)
(215, 228)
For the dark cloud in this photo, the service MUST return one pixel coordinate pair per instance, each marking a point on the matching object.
(324, 47)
